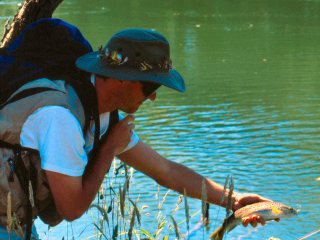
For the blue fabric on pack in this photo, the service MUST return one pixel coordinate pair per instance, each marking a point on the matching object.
(45, 48)
(74, 31)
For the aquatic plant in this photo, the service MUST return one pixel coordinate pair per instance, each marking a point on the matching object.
(117, 216)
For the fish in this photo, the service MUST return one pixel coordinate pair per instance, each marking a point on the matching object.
(267, 210)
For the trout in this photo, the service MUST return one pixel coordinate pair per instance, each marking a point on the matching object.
(267, 210)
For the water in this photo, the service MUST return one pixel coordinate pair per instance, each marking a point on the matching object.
(251, 108)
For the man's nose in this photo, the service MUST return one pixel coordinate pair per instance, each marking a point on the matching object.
(152, 96)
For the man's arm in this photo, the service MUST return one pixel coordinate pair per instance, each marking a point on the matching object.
(170, 174)
(73, 195)
(178, 177)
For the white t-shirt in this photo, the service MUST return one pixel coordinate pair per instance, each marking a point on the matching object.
(56, 133)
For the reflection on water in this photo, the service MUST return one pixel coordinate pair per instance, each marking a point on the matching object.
(252, 103)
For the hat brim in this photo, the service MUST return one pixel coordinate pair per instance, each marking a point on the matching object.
(91, 62)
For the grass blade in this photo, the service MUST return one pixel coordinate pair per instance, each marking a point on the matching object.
(100, 230)
(310, 234)
(204, 204)
(137, 211)
(177, 204)
(110, 206)
(122, 200)
(186, 206)
(176, 228)
(230, 200)
(163, 199)
(102, 211)
(132, 223)
(123, 196)
(160, 227)
(145, 232)
(225, 189)
(115, 233)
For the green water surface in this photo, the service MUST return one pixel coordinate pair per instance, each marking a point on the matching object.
(251, 108)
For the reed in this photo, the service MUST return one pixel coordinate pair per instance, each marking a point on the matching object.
(102, 210)
(100, 230)
(118, 216)
(133, 217)
(224, 189)
(186, 207)
(204, 203)
(310, 235)
(137, 212)
(179, 201)
(230, 199)
(176, 228)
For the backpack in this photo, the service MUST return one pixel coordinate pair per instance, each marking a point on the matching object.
(47, 48)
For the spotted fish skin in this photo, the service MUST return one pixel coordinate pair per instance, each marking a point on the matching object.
(267, 210)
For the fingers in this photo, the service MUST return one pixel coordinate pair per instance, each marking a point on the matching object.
(245, 221)
(128, 119)
(120, 135)
(131, 127)
(254, 220)
(128, 123)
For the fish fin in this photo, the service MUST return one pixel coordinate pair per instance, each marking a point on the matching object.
(275, 210)
(219, 232)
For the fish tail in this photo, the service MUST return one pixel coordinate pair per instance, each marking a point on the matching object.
(220, 231)
(228, 224)
(218, 234)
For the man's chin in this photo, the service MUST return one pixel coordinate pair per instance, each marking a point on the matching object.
(130, 111)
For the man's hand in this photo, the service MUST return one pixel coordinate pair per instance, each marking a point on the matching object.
(242, 200)
(120, 134)
(178, 177)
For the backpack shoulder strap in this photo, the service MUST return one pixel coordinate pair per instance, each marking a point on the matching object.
(26, 93)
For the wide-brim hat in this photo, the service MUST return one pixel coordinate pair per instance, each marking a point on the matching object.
(134, 55)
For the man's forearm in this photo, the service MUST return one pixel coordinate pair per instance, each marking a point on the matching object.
(180, 179)
(73, 195)
(170, 174)
(95, 173)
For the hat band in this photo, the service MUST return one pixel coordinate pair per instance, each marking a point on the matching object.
(116, 59)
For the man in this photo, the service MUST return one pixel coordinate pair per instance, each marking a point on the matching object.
(125, 73)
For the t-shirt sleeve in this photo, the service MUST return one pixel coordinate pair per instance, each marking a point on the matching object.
(56, 133)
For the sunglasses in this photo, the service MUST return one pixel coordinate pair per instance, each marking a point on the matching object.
(149, 87)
